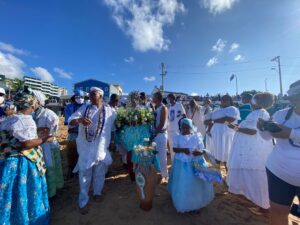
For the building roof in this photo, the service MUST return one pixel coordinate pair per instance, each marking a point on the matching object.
(90, 80)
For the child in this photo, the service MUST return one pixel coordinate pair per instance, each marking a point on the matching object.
(188, 192)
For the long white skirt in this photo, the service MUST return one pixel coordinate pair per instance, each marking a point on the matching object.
(253, 184)
(222, 137)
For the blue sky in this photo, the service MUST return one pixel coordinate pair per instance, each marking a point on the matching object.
(201, 42)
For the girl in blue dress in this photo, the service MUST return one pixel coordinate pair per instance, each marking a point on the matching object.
(188, 192)
(23, 188)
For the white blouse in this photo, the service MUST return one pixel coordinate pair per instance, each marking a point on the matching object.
(20, 126)
(230, 111)
(191, 141)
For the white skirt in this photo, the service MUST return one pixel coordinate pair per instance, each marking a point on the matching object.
(253, 184)
(222, 137)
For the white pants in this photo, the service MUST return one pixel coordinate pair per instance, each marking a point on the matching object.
(97, 173)
(161, 146)
(170, 139)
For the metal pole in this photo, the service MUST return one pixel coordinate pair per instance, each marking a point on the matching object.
(162, 77)
(277, 59)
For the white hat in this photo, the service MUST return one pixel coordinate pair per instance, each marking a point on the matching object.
(40, 97)
(2, 91)
(97, 89)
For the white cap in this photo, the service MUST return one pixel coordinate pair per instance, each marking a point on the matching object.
(2, 91)
(97, 89)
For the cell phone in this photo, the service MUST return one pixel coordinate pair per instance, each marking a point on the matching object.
(295, 210)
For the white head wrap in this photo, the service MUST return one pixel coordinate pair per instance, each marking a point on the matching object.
(97, 89)
(295, 90)
(40, 97)
(253, 101)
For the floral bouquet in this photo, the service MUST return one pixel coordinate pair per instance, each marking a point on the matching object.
(129, 117)
(208, 170)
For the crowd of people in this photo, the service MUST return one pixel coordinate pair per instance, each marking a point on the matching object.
(259, 151)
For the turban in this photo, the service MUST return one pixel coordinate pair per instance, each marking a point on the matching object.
(24, 99)
(188, 122)
(40, 97)
(97, 89)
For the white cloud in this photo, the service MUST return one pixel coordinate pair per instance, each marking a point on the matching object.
(194, 94)
(62, 73)
(212, 61)
(149, 79)
(219, 46)
(143, 21)
(234, 46)
(239, 58)
(11, 66)
(218, 6)
(8, 48)
(129, 60)
(43, 74)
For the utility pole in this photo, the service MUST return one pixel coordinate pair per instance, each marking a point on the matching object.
(163, 74)
(277, 59)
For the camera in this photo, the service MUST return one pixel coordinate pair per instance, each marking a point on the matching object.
(268, 126)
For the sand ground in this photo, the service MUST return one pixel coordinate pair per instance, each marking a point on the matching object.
(120, 204)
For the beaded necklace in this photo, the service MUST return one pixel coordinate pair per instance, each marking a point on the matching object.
(100, 124)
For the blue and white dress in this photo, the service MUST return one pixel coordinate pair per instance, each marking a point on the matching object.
(23, 188)
(188, 192)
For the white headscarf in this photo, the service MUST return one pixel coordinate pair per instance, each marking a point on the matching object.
(40, 97)
(97, 89)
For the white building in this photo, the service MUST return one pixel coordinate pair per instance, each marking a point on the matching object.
(50, 90)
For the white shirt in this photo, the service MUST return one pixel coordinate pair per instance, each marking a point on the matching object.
(191, 141)
(295, 135)
(230, 111)
(48, 119)
(284, 161)
(91, 153)
(21, 127)
(176, 112)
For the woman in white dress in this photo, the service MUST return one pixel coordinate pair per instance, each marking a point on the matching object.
(247, 174)
(221, 134)
(196, 114)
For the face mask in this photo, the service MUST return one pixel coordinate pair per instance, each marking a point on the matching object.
(79, 100)
(1, 100)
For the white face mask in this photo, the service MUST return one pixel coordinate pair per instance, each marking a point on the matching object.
(1, 100)
(79, 100)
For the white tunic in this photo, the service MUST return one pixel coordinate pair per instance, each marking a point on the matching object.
(222, 135)
(49, 119)
(91, 153)
(284, 160)
(250, 151)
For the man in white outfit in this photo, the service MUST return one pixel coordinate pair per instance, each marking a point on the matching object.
(176, 112)
(96, 122)
(161, 138)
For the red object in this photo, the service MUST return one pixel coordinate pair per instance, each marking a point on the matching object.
(130, 166)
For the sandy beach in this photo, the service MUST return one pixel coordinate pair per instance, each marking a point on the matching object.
(120, 205)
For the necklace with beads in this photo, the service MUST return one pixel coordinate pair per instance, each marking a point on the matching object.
(89, 134)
